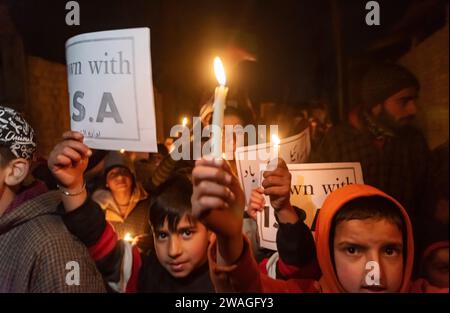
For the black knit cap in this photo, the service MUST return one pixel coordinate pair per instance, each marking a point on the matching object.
(384, 80)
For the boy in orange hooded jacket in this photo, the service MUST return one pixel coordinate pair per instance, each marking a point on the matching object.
(364, 239)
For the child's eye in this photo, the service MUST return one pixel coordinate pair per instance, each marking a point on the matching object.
(351, 250)
(162, 235)
(391, 251)
(186, 233)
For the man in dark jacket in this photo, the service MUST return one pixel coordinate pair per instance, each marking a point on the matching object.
(394, 155)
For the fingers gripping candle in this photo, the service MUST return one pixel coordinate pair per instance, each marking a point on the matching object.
(219, 107)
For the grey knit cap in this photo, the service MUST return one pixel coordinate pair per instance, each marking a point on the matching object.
(384, 80)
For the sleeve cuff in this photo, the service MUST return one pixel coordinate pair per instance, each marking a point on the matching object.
(242, 276)
(295, 243)
(87, 222)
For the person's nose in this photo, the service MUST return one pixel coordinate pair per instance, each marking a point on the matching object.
(373, 255)
(174, 247)
(374, 268)
(411, 107)
(120, 177)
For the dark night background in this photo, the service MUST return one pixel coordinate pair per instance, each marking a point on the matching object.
(305, 49)
(293, 40)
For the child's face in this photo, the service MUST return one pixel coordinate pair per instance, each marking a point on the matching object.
(119, 178)
(436, 268)
(182, 251)
(357, 242)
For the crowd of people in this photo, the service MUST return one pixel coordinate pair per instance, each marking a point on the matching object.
(143, 222)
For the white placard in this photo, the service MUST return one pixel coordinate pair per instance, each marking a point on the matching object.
(310, 185)
(111, 89)
(293, 149)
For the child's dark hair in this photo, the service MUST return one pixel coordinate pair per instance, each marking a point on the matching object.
(376, 207)
(172, 201)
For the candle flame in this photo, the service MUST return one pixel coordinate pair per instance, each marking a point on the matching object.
(276, 139)
(128, 237)
(185, 121)
(219, 71)
(122, 151)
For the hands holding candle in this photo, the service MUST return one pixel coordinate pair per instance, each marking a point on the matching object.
(276, 183)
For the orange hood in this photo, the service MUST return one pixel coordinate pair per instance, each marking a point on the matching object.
(332, 204)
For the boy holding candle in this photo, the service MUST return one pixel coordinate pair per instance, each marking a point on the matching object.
(179, 262)
(181, 241)
(358, 226)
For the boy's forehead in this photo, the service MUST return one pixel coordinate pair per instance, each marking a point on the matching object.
(368, 230)
(184, 222)
(118, 169)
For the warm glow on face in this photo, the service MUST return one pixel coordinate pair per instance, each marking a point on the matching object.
(219, 71)
(128, 237)
(275, 140)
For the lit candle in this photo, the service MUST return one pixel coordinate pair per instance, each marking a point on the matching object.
(273, 162)
(218, 107)
(128, 237)
(122, 151)
(276, 145)
(185, 121)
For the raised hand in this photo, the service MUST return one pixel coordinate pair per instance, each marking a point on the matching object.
(218, 202)
(69, 159)
(277, 185)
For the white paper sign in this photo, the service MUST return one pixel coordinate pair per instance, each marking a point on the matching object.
(293, 149)
(310, 185)
(111, 89)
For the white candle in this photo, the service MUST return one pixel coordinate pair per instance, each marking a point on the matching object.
(273, 162)
(218, 107)
(276, 146)
(185, 121)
